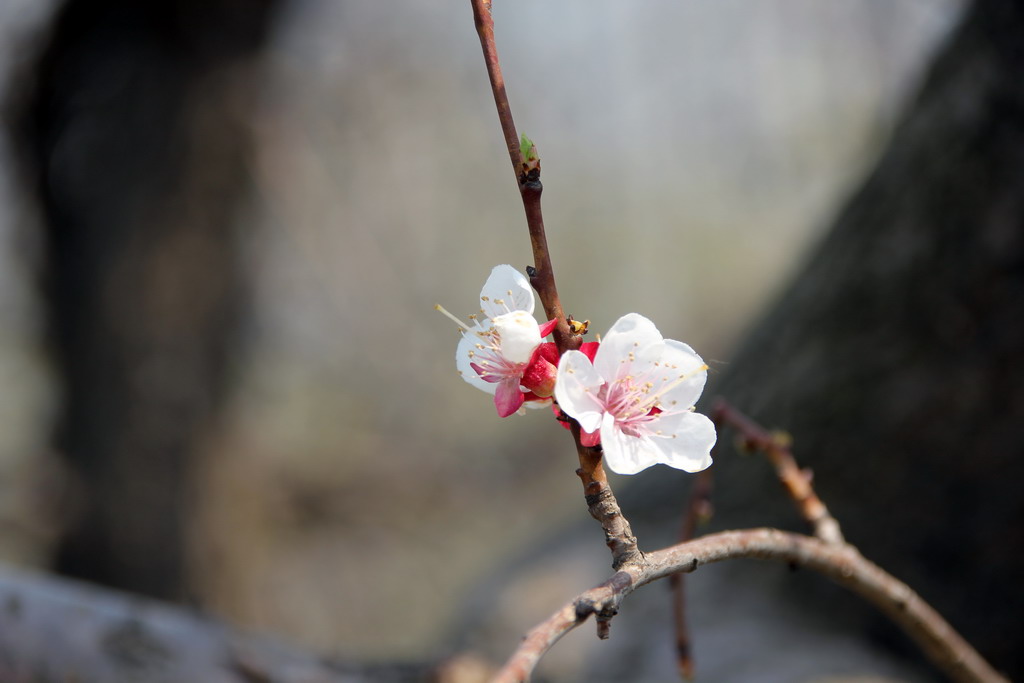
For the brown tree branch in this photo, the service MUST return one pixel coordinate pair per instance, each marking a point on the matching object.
(698, 510)
(797, 482)
(485, 29)
(840, 562)
(602, 505)
(601, 500)
(541, 275)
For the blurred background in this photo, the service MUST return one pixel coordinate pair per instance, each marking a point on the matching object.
(223, 228)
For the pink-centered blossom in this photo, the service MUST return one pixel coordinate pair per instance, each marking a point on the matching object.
(502, 350)
(636, 399)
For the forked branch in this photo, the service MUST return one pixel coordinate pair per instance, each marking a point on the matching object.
(796, 481)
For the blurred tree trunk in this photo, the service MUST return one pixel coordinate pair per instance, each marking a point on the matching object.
(896, 356)
(134, 131)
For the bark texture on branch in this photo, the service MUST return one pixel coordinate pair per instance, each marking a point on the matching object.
(840, 562)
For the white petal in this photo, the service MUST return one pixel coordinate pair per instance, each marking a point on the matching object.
(630, 333)
(576, 387)
(686, 374)
(467, 346)
(685, 440)
(623, 453)
(506, 290)
(519, 334)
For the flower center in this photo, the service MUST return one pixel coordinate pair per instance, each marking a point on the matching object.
(635, 400)
(489, 362)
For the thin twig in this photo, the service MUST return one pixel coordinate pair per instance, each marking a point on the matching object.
(601, 500)
(485, 29)
(698, 511)
(541, 276)
(797, 482)
(840, 562)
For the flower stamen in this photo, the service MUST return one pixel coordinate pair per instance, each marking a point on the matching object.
(463, 327)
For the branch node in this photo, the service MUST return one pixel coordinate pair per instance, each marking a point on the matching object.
(584, 608)
(604, 626)
(529, 181)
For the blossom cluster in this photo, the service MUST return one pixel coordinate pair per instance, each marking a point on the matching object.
(633, 392)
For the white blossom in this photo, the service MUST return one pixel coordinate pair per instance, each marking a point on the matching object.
(637, 399)
(500, 343)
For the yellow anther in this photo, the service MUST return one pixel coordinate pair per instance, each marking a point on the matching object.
(463, 327)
